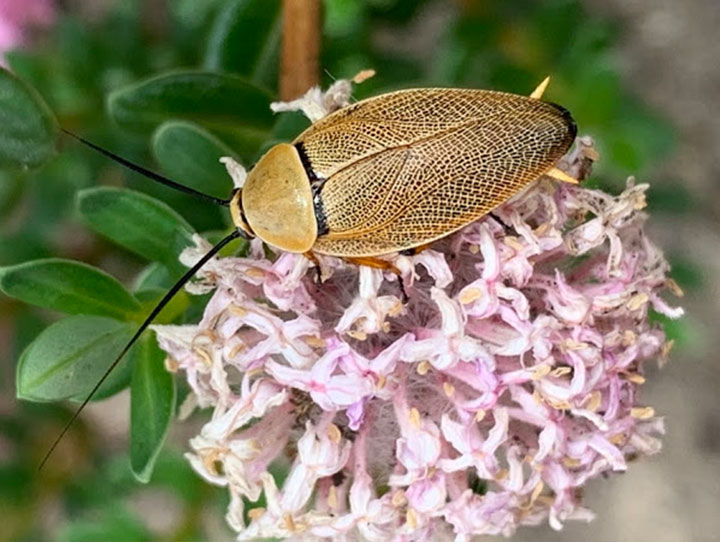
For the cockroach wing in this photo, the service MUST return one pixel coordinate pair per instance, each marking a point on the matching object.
(410, 167)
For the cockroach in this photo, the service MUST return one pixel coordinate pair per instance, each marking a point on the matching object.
(387, 174)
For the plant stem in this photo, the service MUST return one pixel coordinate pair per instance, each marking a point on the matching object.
(300, 64)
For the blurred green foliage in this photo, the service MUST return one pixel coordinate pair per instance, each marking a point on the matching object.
(193, 84)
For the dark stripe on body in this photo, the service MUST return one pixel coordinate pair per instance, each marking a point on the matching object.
(316, 184)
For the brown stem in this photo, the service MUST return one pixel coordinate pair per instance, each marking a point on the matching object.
(300, 65)
(155, 19)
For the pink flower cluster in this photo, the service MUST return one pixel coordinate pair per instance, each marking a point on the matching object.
(485, 401)
(18, 17)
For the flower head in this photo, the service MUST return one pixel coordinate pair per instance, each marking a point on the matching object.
(484, 400)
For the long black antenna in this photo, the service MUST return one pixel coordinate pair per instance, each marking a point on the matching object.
(159, 307)
(147, 173)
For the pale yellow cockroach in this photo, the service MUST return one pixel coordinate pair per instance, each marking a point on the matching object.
(400, 170)
(387, 174)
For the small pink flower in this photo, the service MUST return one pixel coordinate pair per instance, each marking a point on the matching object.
(19, 18)
(328, 390)
(509, 378)
(476, 451)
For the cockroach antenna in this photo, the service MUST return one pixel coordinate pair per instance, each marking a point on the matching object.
(168, 296)
(159, 307)
(147, 173)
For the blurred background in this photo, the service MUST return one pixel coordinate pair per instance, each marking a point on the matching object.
(640, 76)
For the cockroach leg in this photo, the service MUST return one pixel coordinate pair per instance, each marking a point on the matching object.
(310, 255)
(560, 175)
(378, 263)
(414, 251)
(509, 230)
(540, 90)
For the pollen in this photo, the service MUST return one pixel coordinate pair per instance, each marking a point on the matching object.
(332, 499)
(637, 301)
(635, 378)
(674, 287)
(571, 462)
(357, 334)
(629, 337)
(642, 413)
(334, 433)
(540, 371)
(314, 341)
(592, 401)
(537, 490)
(254, 272)
(398, 499)
(411, 518)
(469, 295)
(171, 364)
(256, 513)
(667, 348)
(236, 350)
(396, 309)
(514, 243)
(542, 228)
(415, 417)
(381, 381)
(561, 371)
(572, 344)
(237, 310)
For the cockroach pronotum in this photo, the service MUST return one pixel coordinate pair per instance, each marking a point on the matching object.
(386, 174)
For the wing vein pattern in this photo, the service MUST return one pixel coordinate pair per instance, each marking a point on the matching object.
(412, 166)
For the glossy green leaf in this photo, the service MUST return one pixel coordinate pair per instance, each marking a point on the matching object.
(152, 277)
(150, 297)
(67, 286)
(230, 106)
(142, 224)
(28, 129)
(191, 155)
(68, 358)
(245, 39)
(289, 125)
(152, 396)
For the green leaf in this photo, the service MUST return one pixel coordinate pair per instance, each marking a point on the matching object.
(238, 248)
(68, 358)
(245, 39)
(67, 286)
(681, 330)
(289, 125)
(28, 129)
(154, 276)
(152, 396)
(671, 197)
(115, 524)
(230, 106)
(150, 297)
(141, 224)
(10, 192)
(689, 274)
(191, 156)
